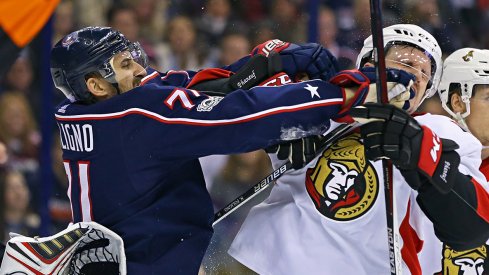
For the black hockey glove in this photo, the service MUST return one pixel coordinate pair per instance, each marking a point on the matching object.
(413, 148)
(299, 152)
(298, 59)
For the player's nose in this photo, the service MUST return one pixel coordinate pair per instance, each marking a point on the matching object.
(140, 71)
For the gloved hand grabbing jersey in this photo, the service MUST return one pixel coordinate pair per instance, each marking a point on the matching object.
(299, 152)
(414, 149)
(360, 87)
(299, 59)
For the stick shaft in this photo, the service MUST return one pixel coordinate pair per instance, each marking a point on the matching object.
(381, 84)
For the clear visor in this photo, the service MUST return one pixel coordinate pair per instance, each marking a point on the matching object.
(134, 51)
(416, 62)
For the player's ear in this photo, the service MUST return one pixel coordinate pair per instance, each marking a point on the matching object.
(97, 87)
(458, 106)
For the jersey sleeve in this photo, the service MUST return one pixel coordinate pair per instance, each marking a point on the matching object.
(177, 78)
(187, 123)
(461, 217)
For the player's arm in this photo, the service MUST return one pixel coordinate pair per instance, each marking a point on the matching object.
(456, 203)
(244, 120)
(266, 60)
(301, 151)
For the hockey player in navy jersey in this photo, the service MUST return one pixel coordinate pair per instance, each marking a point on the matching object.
(132, 136)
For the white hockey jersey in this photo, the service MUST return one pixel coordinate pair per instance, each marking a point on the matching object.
(439, 259)
(330, 218)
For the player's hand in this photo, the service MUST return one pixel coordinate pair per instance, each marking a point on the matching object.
(360, 86)
(299, 152)
(399, 86)
(311, 59)
(392, 133)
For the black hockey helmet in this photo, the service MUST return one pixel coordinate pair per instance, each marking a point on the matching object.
(86, 51)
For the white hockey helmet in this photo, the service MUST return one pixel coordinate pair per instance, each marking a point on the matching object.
(465, 68)
(410, 35)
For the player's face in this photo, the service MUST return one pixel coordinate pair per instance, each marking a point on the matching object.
(478, 120)
(414, 61)
(128, 73)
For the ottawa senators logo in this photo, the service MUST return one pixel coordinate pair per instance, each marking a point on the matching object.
(469, 262)
(343, 185)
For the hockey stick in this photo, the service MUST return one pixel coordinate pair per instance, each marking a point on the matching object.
(381, 82)
(256, 189)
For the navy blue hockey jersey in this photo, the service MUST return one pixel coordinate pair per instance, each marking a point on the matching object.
(132, 160)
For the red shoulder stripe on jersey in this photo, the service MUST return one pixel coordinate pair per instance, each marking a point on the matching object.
(172, 72)
(482, 201)
(485, 168)
(149, 77)
(201, 122)
(412, 244)
(209, 74)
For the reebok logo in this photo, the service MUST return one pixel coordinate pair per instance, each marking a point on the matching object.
(436, 147)
(446, 168)
(245, 80)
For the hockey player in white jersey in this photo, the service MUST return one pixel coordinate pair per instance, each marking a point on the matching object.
(464, 94)
(329, 217)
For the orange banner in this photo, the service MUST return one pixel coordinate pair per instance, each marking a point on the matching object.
(23, 19)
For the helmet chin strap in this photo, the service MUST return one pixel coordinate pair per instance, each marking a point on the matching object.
(461, 121)
(460, 118)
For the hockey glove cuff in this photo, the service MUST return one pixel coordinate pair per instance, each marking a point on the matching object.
(298, 59)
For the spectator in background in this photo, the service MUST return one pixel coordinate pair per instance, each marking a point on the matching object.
(216, 20)
(64, 21)
(18, 217)
(92, 12)
(59, 203)
(125, 19)
(289, 22)
(20, 75)
(427, 15)
(354, 24)
(180, 51)
(327, 37)
(20, 135)
(262, 31)
(3, 154)
(233, 47)
(152, 19)
(20, 78)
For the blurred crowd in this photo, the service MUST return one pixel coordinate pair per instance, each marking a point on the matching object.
(189, 35)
